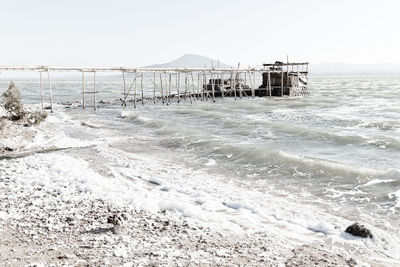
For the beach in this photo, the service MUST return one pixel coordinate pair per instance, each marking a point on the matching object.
(47, 218)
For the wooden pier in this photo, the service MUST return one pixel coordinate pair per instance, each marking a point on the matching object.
(177, 84)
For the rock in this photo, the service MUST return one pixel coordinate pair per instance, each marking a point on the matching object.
(357, 229)
(351, 262)
(117, 219)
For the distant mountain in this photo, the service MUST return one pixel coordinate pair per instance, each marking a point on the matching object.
(354, 69)
(191, 61)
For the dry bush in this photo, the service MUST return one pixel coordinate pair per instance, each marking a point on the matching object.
(12, 103)
(15, 110)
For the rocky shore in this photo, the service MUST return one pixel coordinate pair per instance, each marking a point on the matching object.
(41, 225)
(42, 228)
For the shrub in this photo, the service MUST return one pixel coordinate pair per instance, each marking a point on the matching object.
(15, 110)
(12, 103)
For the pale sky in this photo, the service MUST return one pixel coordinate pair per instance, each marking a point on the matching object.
(137, 33)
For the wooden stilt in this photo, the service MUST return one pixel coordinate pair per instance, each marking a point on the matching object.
(252, 86)
(83, 90)
(203, 85)
(141, 88)
(188, 88)
(213, 86)
(192, 85)
(154, 90)
(184, 96)
(51, 91)
(166, 89)
(198, 86)
(94, 89)
(135, 92)
(240, 85)
(41, 89)
(245, 83)
(222, 87)
(178, 81)
(282, 82)
(254, 81)
(161, 88)
(169, 86)
(233, 85)
(124, 80)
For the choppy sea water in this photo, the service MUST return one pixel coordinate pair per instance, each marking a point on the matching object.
(313, 162)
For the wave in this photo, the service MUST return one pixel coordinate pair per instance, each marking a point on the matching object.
(323, 135)
(250, 155)
(331, 165)
(141, 119)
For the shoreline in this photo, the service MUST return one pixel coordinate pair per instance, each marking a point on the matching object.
(59, 221)
(44, 229)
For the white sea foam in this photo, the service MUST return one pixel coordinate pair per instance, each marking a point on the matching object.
(377, 181)
(331, 164)
(211, 162)
(323, 227)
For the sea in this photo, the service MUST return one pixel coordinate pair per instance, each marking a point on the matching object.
(305, 166)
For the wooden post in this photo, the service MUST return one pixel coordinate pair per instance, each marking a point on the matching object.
(169, 86)
(245, 82)
(222, 87)
(240, 85)
(184, 96)
(154, 91)
(198, 86)
(123, 77)
(161, 88)
(282, 82)
(192, 85)
(213, 87)
(178, 80)
(141, 88)
(41, 89)
(233, 85)
(252, 87)
(203, 85)
(134, 91)
(166, 89)
(254, 81)
(287, 73)
(94, 89)
(188, 88)
(51, 91)
(83, 90)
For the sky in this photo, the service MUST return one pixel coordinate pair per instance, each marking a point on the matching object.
(137, 33)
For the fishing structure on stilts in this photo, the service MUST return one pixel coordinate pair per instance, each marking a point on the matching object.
(170, 85)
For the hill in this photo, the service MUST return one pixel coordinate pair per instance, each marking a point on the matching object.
(191, 61)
